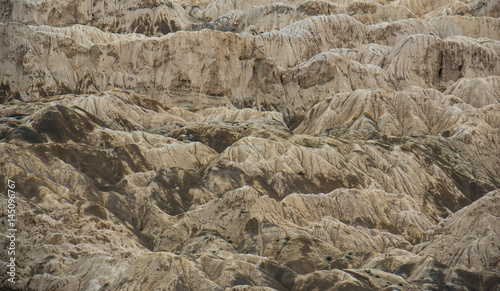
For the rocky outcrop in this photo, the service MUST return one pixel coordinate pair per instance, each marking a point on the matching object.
(83, 66)
(154, 18)
(479, 233)
(251, 145)
(479, 92)
(259, 19)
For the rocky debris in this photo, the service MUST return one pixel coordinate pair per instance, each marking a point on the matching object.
(251, 145)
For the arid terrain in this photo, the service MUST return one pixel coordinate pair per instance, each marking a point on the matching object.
(251, 144)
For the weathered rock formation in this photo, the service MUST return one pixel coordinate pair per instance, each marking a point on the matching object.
(251, 145)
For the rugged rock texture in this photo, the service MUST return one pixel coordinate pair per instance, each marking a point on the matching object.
(251, 145)
(154, 17)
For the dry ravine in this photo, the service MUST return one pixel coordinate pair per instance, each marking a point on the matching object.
(250, 145)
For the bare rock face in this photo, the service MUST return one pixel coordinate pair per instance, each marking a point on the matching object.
(154, 17)
(478, 92)
(477, 234)
(251, 145)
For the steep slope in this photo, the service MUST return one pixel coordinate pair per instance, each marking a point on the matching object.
(154, 18)
(251, 145)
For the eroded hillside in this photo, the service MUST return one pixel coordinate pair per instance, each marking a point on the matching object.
(251, 144)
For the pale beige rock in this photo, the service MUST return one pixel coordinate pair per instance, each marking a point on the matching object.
(446, 60)
(320, 7)
(217, 8)
(477, 92)
(102, 67)
(259, 19)
(421, 7)
(53, 241)
(453, 8)
(371, 13)
(469, 238)
(168, 270)
(392, 33)
(155, 17)
(251, 145)
(406, 113)
(487, 27)
(361, 207)
(486, 8)
(324, 75)
(373, 54)
(304, 39)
